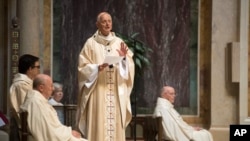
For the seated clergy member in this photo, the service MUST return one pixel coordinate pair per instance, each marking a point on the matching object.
(28, 68)
(174, 127)
(42, 119)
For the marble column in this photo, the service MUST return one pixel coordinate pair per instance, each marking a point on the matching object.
(28, 12)
(35, 23)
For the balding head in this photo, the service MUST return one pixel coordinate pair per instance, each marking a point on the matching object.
(100, 15)
(43, 84)
(168, 93)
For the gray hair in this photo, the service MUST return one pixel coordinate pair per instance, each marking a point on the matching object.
(165, 89)
(57, 85)
(98, 18)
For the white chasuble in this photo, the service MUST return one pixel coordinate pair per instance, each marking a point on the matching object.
(21, 84)
(104, 109)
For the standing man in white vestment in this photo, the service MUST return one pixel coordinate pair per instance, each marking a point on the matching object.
(174, 127)
(104, 108)
(28, 68)
(43, 121)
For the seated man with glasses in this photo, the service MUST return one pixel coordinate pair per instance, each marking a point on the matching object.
(28, 68)
(174, 127)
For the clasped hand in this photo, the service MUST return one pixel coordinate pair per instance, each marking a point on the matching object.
(76, 134)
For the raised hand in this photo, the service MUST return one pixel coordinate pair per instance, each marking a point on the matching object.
(123, 50)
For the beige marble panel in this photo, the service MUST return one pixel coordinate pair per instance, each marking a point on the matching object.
(223, 92)
(235, 54)
(204, 63)
(243, 89)
(249, 65)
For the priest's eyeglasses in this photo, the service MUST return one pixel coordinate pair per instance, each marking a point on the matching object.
(36, 67)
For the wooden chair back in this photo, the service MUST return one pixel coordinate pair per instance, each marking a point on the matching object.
(15, 123)
(152, 128)
(24, 131)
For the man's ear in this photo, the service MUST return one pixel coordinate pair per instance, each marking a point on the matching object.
(41, 87)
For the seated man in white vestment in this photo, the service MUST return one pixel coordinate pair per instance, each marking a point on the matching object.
(28, 68)
(174, 127)
(43, 121)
